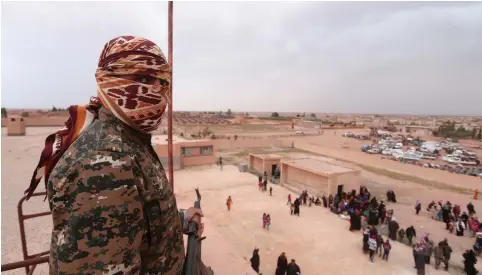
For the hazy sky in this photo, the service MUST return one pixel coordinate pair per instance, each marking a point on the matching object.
(372, 57)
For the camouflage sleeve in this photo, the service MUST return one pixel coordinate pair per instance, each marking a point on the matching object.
(98, 216)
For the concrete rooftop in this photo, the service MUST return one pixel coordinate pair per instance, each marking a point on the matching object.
(318, 166)
(267, 156)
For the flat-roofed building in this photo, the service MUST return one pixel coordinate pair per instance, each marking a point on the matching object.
(319, 177)
(16, 126)
(184, 152)
(264, 163)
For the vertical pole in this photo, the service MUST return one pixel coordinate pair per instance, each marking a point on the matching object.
(169, 111)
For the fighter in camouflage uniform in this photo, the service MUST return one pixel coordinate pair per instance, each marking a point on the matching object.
(113, 209)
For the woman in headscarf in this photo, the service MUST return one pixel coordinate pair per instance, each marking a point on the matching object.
(418, 207)
(112, 206)
(282, 264)
(393, 228)
(255, 261)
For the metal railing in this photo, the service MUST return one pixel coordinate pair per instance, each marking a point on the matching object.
(29, 262)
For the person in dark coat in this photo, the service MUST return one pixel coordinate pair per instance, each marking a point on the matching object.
(374, 203)
(255, 262)
(393, 228)
(419, 256)
(297, 207)
(410, 232)
(418, 207)
(293, 268)
(470, 208)
(355, 220)
(325, 202)
(391, 196)
(282, 265)
(469, 262)
(447, 251)
(372, 217)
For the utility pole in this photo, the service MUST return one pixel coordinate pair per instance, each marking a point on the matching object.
(169, 111)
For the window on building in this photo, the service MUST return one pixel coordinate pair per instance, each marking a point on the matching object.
(206, 150)
(186, 151)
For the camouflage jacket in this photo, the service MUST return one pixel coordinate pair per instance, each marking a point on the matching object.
(113, 209)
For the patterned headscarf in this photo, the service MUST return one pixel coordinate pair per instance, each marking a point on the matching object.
(138, 105)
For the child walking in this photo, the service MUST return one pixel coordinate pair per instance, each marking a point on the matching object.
(386, 250)
(229, 202)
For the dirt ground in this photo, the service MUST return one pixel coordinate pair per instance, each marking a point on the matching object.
(231, 236)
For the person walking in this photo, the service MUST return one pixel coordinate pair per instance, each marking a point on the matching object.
(447, 254)
(418, 207)
(255, 260)
(420, 258)
(438, 254)
(386, 250)
(282, 265)
(410, 232)
(372, 246)
(293, 268)
(229, 202)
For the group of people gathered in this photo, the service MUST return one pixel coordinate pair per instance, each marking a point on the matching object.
(455, 220)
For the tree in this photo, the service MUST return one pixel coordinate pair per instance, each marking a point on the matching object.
(229, 113)
(4, 112)
(24, 114)
(480, 134)
(298, 115)
(246, 114)
(54, 109)
(474, 133)
(275, 114)
(206, 132)
(312, 115)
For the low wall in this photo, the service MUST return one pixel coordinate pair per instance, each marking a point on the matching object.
(250, 143)
(40, 122)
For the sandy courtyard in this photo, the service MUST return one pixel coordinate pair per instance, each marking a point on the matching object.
(318, 240)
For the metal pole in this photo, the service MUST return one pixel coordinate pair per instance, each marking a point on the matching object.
(169, 111)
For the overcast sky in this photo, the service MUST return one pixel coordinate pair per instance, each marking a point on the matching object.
(354, 57)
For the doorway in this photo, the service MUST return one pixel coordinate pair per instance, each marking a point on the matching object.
(273, 169)
(340, 190)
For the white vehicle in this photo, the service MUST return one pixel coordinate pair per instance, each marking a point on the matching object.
(398, 145)
(411, 156)
(387, 152)
(373, 150)
(299, 132)
(397, 153)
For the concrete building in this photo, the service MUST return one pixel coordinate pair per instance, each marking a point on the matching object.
(16, 126)
(310, 124)
(239, 119)
(264, 163)
(184, 152)
(318, 177)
